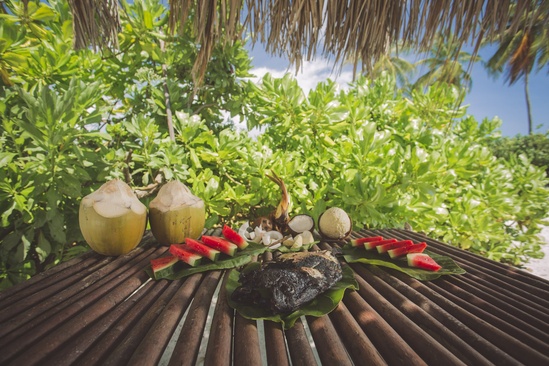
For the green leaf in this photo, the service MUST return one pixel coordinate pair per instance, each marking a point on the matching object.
(43, 13)
(361, 255)
(147, 19)
(321, 305)
(241, 258)
(24, 246)
(44, 247)
(57, 228)
(6, 158)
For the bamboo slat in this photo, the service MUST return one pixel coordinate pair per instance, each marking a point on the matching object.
(95, 310)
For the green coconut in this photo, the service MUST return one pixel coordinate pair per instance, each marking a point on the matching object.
(112, 219)
(175, 214)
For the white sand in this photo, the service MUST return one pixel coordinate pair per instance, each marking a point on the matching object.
(540, 267)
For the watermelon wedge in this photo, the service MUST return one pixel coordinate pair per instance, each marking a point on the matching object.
(224, 246)
(203, 250)
(360, 241)
(397, 244)
(399, 252)
(234, 237)
(372, 244)
(163, 266)
(422, 261)
(182, 252)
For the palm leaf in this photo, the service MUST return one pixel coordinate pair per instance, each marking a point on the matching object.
(301, 29)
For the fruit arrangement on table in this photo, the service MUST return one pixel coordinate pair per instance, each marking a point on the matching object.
(113, 222)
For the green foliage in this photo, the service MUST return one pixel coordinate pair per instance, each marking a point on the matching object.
(71, 120)
(388, 160)
(535, 147)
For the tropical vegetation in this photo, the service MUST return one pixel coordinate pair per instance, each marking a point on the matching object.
(523, 49)
(534, 146)
(72, 119)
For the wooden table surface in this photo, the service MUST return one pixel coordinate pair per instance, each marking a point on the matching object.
(96, 310)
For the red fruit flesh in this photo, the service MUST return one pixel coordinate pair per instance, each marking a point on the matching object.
(202, 249)
(360, 241)
(399, 252)
(224, 246)
(234, 237)
(422, 261)
(373, 244)
(185, 255)
(160, 263)
(163, 266)
(397, 244)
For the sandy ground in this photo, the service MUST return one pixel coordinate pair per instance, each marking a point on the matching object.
(540, 267)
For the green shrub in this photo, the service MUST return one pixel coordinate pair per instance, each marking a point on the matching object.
(535, 147)
(390, 160)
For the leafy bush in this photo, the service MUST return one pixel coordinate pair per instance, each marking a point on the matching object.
(390, 160)
(535, 147)
(386, 158)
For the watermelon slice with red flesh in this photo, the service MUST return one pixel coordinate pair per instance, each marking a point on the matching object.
(182, 252)
(203, 250)
(360, 241)
(372, 244)
(397, 244)
(399, 252)
(163, 266)
(422, 261)
(234, 237)
(224, 246)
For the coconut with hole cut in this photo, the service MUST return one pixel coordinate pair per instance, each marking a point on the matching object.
(175, 214)
(112, 219)
(335, 224)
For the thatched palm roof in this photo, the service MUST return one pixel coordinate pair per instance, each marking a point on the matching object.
(360, 30)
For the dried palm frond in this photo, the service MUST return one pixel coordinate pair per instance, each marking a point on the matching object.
(365, 30)
(361, 30)
(214, 20)
(96, 23)
(522, 59)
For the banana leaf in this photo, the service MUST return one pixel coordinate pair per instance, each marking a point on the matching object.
(361, 255)
(321, 305)
(241, 258)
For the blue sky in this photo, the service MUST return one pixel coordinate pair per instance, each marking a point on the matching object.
(488, 98)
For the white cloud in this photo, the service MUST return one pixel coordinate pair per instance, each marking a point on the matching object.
(310, 74)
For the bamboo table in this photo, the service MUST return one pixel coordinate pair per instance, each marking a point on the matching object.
(96, 310)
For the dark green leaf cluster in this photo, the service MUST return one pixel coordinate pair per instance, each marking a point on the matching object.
(535, 147)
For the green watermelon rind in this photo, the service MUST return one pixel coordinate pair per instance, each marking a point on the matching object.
(241, 258)
(221, 244)
(359, 242)
(383, 249)
(202, 249)
(180, 251)
(359, 255)
(401, 252)
(168, 268)
(422, 260)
